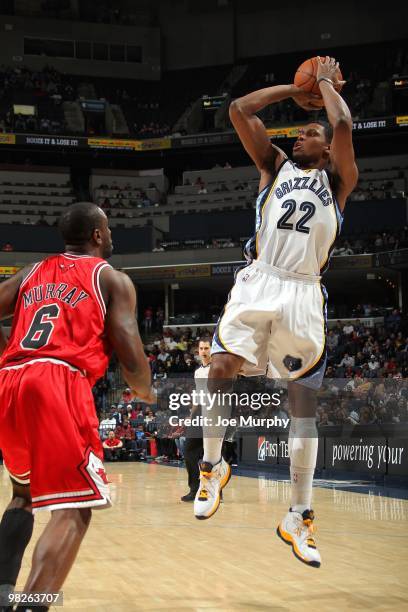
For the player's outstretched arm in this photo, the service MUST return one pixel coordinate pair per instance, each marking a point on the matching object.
(251, 130)
(341, 149)
(123, 333)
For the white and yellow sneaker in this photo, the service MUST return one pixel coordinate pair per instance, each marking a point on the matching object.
(296, 529)
(213, 478)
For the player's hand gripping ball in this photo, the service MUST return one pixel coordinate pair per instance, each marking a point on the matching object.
(310, 71)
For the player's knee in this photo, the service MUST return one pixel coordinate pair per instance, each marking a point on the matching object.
(223, 371)
(302, 400)
(83, 518)
(21, 497)
(221, 379)
(86, 516)
(21, 503)
(77, 519)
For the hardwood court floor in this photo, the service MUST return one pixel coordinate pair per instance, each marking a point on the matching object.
(149, 553)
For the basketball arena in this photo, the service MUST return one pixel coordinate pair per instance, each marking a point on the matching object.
(203, 306)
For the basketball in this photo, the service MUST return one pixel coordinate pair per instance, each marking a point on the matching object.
(305, 78)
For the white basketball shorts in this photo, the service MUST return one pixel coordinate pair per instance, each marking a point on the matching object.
(276, 321)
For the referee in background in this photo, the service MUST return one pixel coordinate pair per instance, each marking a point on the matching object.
(193, 449)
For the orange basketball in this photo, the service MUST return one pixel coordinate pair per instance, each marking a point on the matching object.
(305, 78)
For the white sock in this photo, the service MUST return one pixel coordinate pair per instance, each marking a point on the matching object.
(303, 444)
(212, 450)
(213, 434)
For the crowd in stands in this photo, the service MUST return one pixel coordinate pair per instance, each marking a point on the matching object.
(365, 97)
(368, 85)
(151, 130)
(372, 243)
(24, 86)
(47, 82)
(354, 348)
(129, 429)
(151, 113)
(172, 352)
(384, 191)
(7, 247)
(146, 118)
(367, 402)
(222, 186)
(153, 319)
(366, 382)
(127, 197)
(30, 123)
(345, 245)
(372, 365)
(126, 428)
(45, 89)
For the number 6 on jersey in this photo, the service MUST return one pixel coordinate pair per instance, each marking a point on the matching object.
(41, 327)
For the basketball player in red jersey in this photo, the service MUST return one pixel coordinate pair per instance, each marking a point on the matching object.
(70, 311)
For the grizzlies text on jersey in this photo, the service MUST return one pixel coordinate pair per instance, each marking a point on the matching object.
(297, 221)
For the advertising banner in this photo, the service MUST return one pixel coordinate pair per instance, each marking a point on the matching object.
(50, 141)
(7, 139)
(375, 124)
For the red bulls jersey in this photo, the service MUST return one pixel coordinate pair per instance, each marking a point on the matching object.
(60, 314)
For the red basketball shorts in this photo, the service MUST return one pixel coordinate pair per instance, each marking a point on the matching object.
(49, 435)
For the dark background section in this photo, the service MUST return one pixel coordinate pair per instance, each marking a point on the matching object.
(48, 240)
(212, 225)
(370, 215)
(374, 215)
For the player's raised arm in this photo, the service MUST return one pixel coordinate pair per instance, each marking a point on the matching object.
(251, 130)
(341, 149)
(123, 333)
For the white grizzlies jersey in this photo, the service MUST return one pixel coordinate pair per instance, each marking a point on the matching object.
(297, 221)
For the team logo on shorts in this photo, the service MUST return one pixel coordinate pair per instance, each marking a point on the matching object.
(261, 448)
(292, 363)
(101, 472)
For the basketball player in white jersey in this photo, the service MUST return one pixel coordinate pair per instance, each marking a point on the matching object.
(276, 312)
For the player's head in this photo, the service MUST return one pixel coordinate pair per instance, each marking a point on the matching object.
(111, 434)
(204, 348)
(85, 226)
(312, 147)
